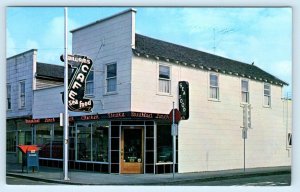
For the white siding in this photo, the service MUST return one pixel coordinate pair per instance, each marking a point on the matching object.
(42, 83)
(20, 68)
(48, 102)
(115, 34)
(212, 138)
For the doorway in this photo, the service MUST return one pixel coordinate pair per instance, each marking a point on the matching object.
(132, 150)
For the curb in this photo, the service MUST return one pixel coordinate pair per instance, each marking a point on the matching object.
(188, 180)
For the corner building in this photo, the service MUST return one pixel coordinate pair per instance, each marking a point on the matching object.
(133, 83)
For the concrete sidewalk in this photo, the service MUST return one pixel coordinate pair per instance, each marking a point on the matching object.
(55, 175)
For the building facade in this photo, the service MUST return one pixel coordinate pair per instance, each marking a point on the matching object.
(133, 83)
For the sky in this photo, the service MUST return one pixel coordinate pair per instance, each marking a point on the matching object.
(259, 35)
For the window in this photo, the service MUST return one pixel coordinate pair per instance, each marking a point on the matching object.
(22, 94)
(89, 90)
(164, 79)
(11, 141)
(267, 94)
(289, 139)
(8, 96)
(92, 142)
(164, 144)
(214, 86)
(111, 77)
(245, 91)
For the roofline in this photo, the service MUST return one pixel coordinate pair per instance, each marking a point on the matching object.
(104, 19)
(31, 50)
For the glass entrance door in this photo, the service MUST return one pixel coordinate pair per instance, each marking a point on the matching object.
(132, 150)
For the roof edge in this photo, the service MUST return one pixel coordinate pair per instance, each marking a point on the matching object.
(19, 54)
(104, 19)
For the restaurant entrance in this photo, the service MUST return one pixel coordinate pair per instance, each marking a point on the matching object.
(132, 149)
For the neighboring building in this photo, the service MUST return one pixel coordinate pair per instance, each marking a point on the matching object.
(133, 84)
(24, 75)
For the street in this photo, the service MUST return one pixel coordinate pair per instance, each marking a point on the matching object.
(272, 180)
(22, 181)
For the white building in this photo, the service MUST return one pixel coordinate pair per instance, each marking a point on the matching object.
(133, 84)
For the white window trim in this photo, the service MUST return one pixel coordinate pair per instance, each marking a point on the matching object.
(8, 85)
(158, 78)
(105, 80)
(19, 94)
(219, 96)
(264, 105)
(248, 91)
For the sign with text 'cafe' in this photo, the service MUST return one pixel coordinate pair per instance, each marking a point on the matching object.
(81, 66)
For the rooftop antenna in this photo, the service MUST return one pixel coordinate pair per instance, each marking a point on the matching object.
(222, 32)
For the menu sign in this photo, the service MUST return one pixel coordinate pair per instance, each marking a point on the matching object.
(76, 90)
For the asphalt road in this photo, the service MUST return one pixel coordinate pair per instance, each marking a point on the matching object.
(21, 181)
(272, 180)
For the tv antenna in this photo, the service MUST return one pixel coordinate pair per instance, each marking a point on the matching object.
(223, 32)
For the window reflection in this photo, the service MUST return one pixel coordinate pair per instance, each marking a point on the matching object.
(92, 142)
(164, 144)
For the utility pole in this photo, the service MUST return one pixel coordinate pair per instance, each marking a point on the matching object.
(66, 115)
(174, 133)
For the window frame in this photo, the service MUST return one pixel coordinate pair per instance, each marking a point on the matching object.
(210, 86)
(108, 78)
(289, 140)
(92, 81)
(269, 96)
(164, 79)
(247, 92)
(22, 94)
(8, 97)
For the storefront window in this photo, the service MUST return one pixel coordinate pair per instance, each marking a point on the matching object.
(57, 143)
(100, 144)
(164, 144)
(49, 137)
(11, 141)
(92, 142)
(43, 139)
(84, 140)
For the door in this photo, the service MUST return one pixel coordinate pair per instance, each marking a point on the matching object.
(132, 150)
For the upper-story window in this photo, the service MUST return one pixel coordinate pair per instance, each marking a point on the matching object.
(89, 90)
(22, 94)
(8, 96)
(245, 91)
(164, 79)
(214, 86)
(111, 77)
(267, 94)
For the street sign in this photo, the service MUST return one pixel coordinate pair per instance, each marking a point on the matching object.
(183, 92)
(174, 130)
(246, 116)
(177, 116)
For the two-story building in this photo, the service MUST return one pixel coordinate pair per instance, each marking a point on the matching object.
(133, 83)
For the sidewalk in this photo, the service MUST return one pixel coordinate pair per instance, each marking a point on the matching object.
(55, 175)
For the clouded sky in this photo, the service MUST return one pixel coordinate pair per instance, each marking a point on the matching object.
(259, 35)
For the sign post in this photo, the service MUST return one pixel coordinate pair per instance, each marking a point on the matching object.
(175, 117)
(66, 115)
(245, 127)
(174, 140)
